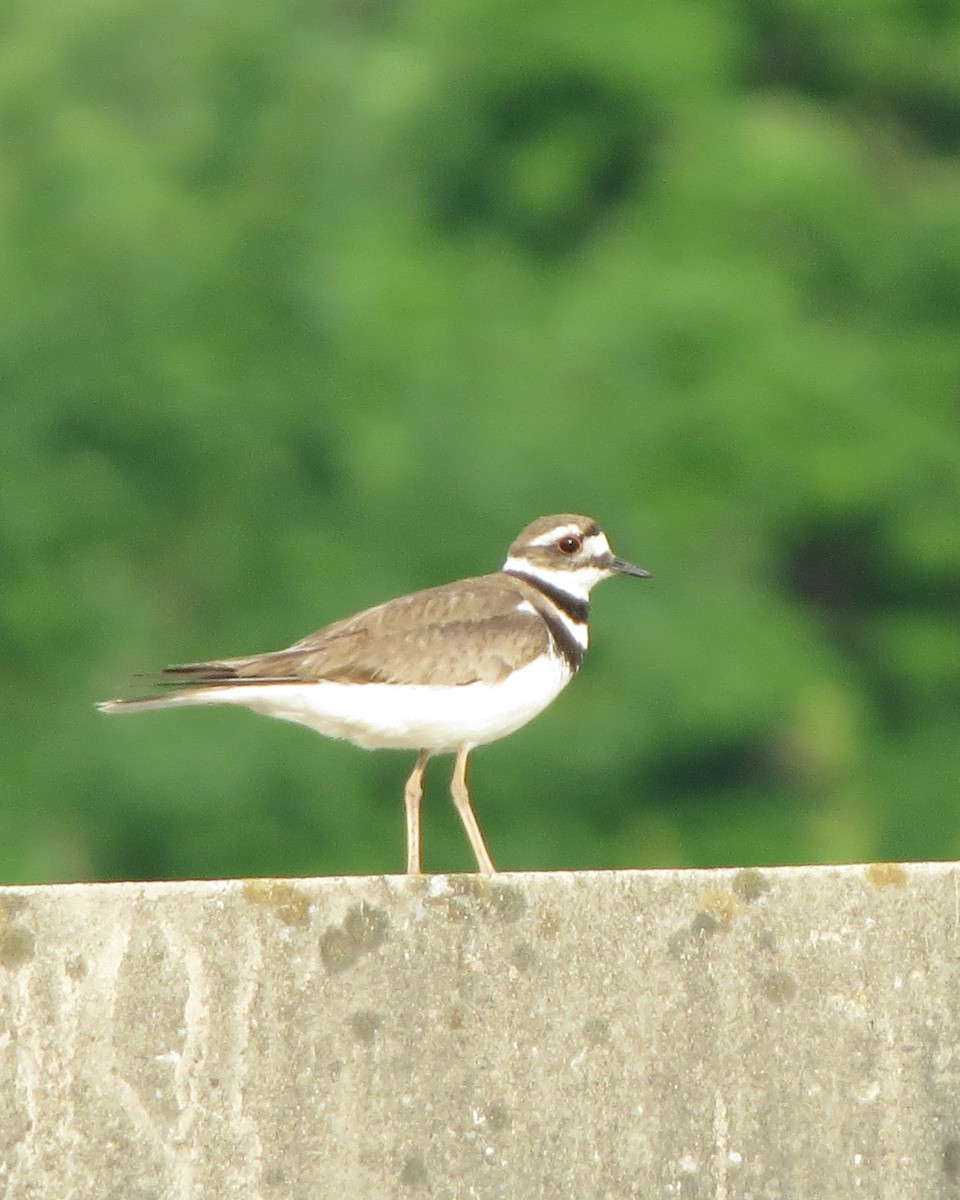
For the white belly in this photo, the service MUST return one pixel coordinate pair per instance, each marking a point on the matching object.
(402, 716)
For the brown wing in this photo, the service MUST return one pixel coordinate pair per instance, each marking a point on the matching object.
(450, 635)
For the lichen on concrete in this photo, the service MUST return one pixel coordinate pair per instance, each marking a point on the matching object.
(767, 1033)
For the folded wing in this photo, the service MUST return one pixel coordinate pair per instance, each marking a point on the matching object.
(448, 636)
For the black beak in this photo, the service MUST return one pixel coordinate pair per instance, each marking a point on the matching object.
(622, 567)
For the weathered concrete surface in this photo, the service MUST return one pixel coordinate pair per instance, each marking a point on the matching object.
(771, 1034)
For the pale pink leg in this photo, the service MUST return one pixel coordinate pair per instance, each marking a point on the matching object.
(461, 798)
(412, 795)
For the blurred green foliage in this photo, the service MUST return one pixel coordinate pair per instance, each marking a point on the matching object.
(305, 306)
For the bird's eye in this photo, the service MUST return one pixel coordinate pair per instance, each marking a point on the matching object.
(569, 544)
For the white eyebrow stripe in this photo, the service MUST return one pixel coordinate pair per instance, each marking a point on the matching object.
(597, 545)
(547, 539)
(526, 607)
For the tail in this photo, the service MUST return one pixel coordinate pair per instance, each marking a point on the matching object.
(223, 681)
(147, 703)
(203, 679)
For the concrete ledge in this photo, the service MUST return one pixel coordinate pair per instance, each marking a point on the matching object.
(772, 1034)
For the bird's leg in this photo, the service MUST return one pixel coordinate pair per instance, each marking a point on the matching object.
(461, 798)
(412, 795)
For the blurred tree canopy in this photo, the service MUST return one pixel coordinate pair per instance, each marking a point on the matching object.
(308, 305)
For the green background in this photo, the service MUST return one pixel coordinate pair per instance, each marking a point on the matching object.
(308, 305)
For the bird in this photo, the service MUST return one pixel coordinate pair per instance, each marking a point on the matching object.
(439, 671)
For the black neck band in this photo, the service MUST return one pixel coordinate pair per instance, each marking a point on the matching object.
(576, 609)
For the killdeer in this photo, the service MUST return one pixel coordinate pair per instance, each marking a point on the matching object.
(439, 671)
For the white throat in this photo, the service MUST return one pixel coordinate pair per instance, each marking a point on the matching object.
(576, 582)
